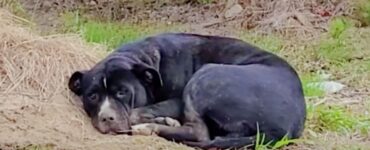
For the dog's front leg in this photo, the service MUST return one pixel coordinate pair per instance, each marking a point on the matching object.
(193, 129)
(188, 132)
(166, 112)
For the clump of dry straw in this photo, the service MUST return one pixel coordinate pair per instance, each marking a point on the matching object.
(34, 65)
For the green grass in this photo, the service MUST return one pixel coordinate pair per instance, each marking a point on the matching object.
(334, 51)
(338, 25)
(323, 117)
(363, 11)
(112, 34)
(335, 48)
(261, 144)
(336, 118)
(270, 43)
(311, 91)
(345, 52)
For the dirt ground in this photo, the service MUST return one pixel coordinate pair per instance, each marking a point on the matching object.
(58, 124)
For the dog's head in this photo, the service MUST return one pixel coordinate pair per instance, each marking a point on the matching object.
(108, 94)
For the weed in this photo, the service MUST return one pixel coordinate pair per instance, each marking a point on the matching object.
(338, 26)
(335, 49)
(260, 141)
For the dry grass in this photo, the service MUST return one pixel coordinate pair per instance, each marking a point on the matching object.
(306, 18)
(331, 141)
(36, 65)
(36, 107)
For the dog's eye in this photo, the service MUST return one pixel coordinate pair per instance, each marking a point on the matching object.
(122, 93)
(93, 97)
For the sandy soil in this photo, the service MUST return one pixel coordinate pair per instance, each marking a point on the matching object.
(59, 123)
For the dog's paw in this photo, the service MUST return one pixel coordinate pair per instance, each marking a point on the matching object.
(144, 129)
(160, 120)
(167, 121)
(172, 122)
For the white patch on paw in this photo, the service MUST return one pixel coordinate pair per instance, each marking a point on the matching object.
(172, 122)
(143, 129)
(160, 120)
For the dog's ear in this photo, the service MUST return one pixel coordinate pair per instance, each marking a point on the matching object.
(148, 75)
(74, 83)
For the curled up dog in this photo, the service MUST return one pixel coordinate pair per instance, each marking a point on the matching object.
(221, 90)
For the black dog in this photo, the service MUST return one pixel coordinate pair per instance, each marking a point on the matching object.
(221, 89)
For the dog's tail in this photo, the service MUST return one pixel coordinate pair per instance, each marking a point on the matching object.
(224, 142)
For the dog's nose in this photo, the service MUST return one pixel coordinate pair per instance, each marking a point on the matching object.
(107, 117)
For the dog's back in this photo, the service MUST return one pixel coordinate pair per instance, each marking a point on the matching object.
(228, 51)
(181, 56)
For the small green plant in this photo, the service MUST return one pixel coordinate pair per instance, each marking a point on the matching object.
(335, 49)
(261, 144)
(338, 26)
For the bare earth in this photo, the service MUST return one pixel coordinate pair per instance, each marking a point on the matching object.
(60, 124)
